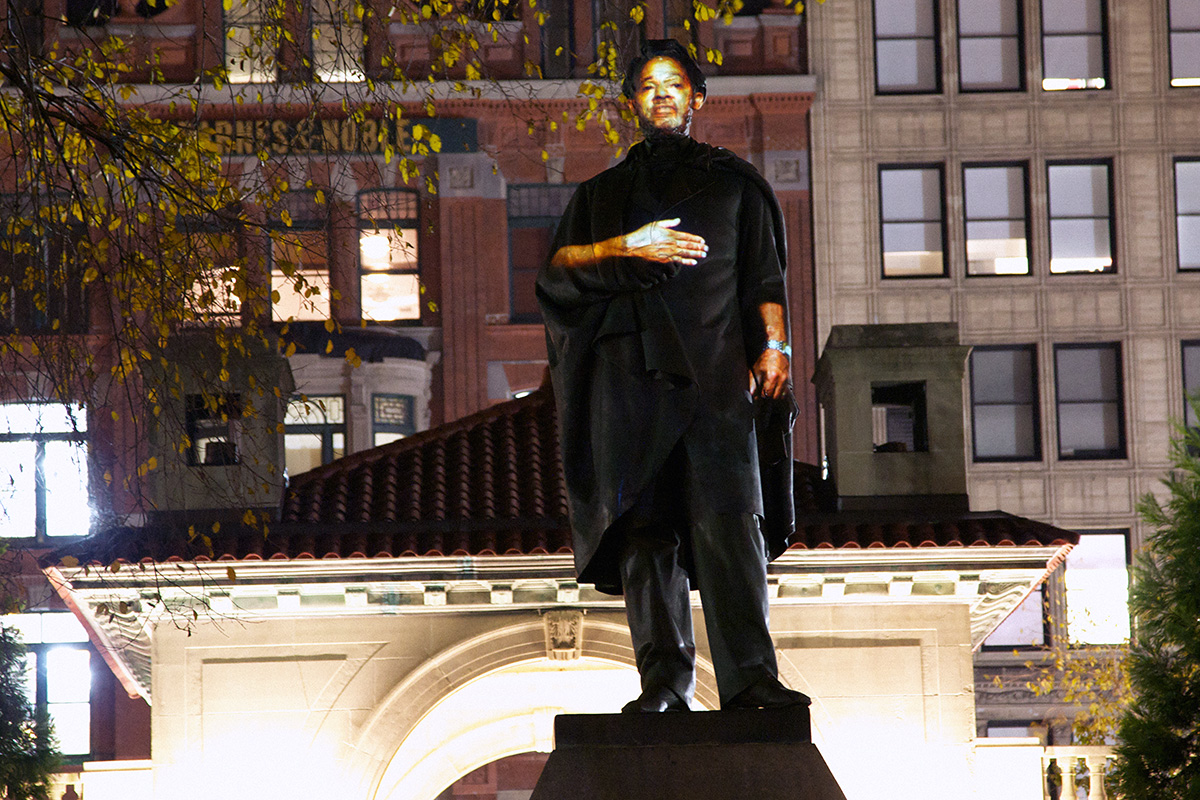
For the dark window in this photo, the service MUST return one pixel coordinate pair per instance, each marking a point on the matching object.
(990, 57)
(314, 431)
(392, 417)
(388, 255)
(533, 214)
(911, 219)
(214, 427)
(1184, 17)
(43, 471)
(88, 13)
(898, 418)
(1004, 405)
(558, 38)
(1073, 45)
(995, 204)
(1191, 382)
(616, 31)
(1187, 212)
(1081, 229)
(1091, 418)
(41, 278)
(907, 58)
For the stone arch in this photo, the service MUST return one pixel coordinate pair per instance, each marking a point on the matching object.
(426, 733)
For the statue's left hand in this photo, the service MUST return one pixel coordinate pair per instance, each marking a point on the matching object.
(769, 376)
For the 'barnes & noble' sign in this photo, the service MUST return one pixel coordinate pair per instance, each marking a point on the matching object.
(247, 137)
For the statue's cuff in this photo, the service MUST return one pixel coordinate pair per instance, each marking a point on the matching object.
(780, 345)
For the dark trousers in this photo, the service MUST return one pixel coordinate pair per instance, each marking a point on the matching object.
(667, 531)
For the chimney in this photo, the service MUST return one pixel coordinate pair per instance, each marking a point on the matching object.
(892, 397)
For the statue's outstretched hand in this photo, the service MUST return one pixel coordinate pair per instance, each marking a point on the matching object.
(659, 243)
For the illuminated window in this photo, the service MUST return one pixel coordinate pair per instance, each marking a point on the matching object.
(533, 214)
(1097, 581)
(300, 259)
(215, 245)
(1004, 406)
(1191, 382)
(996, 209)
(43, 471)
(1073, 45)
(1187, 212)
(388, 257)
(252, 37)
(337, 42)
(214, 427)
(1081, 230)
(1024, 627)
(1091, 417)
(392, 417)
(989, 46)
(41, 284)
(1184, 16)
(59, 674)
(911, 220)
(314, 431)
(907, 59)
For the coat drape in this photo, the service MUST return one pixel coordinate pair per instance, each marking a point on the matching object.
(628, 379)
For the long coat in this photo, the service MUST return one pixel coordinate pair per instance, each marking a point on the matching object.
(635, 364)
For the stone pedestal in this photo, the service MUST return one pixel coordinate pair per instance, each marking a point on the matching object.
(708, 755)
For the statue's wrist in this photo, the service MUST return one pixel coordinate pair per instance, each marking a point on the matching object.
(779, 345)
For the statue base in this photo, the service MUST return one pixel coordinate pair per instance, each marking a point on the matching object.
(715, 755)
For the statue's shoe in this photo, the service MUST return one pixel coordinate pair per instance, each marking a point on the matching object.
(656, 700)
(767, 693)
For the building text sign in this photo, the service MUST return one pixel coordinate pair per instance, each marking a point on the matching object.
(248, 137)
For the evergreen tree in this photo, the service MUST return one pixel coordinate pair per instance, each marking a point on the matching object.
(27, 753)
(1159, 754)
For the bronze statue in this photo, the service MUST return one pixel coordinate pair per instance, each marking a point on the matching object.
(666, 323)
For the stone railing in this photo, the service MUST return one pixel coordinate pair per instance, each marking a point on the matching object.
(1074, 769)
(104, 780)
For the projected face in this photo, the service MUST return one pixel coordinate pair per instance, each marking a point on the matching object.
(664, 98)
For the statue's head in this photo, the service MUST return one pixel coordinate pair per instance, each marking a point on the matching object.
(664, 86)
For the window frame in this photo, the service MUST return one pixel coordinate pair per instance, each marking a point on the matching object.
(1034, 404)
(389, 224)
(1125, 533)
(1019, 36)
(66, 303)
(1121, 452)
(253, 22)
(300, 224)
(1042, 591)
(393, 428)
(1111, 217)
(529, 221)
(1028, 214)
(1190, 420)
(326, 430)
(941, 171)
(1103, 34)
(938, 56)
(1179, 267)
(336, 17)
(39, 651)
(40, 484)
(1187, 82)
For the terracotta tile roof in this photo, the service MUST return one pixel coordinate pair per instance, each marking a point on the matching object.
(492, 484)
